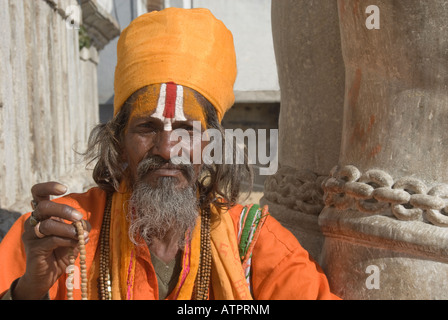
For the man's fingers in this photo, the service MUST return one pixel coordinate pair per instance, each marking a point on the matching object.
(53, 227)
(62, 253)
(43, 191)
(47, 209)
(54, 242)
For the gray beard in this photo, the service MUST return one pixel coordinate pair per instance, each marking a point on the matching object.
(156, 210)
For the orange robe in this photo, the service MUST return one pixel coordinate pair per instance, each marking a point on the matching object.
(281, 268)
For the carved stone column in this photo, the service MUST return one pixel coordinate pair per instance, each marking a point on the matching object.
(311, 78)
(385, 222)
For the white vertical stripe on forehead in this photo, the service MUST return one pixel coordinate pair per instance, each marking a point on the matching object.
(179, 112)
(161, 103)
(179, 107)
(161, 108)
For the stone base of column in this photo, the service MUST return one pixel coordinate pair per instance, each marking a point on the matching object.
(384, 238)
(379, 257)
(294, 198)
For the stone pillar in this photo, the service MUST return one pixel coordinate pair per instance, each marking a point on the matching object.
(311, 77)
(385, 220)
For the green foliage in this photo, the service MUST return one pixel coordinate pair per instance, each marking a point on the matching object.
(84, 39)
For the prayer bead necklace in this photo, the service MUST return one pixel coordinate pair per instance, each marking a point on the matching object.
(82, 262)
(104, 281)
(205, 264)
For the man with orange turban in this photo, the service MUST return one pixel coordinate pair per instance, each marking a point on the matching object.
(154, 229)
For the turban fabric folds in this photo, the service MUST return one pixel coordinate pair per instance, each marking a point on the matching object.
(189, 47)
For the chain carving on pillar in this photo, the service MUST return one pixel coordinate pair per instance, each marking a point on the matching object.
(295, 199)
(376, 192)
(299, 190)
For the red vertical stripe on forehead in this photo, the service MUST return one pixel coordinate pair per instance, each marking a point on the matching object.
(170, 101)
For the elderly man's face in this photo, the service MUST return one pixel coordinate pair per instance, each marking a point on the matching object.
(148, 147)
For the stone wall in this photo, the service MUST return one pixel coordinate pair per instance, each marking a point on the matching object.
(48, 99)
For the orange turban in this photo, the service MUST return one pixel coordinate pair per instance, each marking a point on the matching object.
(189, 47)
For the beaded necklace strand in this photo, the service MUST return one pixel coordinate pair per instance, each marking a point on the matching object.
(205, 265)
(104, 280)
(82, 261)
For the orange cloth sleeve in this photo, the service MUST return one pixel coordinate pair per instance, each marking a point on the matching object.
(281, 268)
(12, 255)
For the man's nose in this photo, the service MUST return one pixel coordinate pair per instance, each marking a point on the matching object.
(164, 146)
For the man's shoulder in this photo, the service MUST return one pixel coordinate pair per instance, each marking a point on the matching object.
(235, 211)
(272, 230)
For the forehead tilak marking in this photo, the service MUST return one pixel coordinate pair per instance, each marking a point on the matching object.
(168, 102)
(170, 106)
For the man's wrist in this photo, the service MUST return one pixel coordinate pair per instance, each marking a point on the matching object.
(20, 286)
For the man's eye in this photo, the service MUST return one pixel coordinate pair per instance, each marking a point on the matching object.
(186, 127)
(147, 126)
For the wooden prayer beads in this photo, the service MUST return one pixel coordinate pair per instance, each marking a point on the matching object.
(104, 281)
(82, 261)
(205, 264)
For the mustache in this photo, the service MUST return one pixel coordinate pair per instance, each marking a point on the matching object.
(151, 163)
